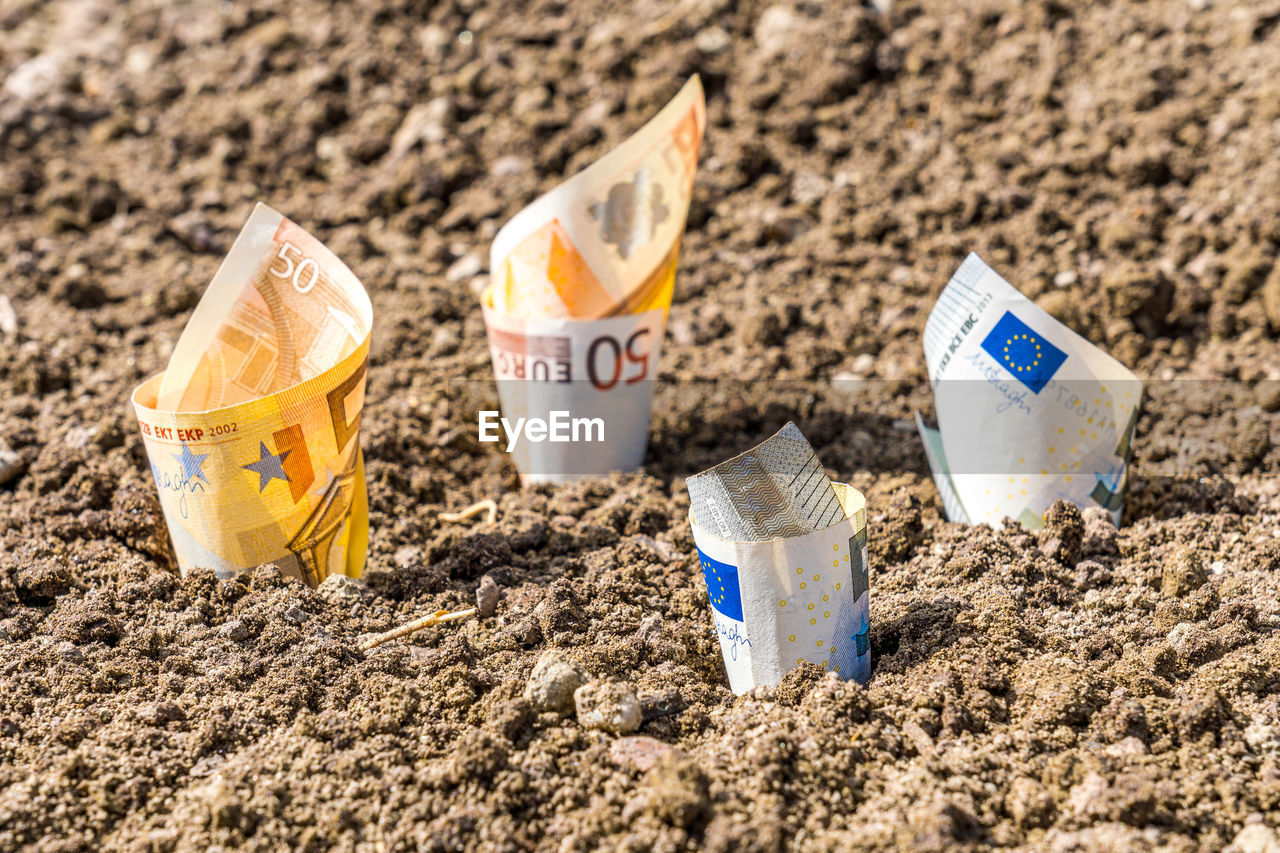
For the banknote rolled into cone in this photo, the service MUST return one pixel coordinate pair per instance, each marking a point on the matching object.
(784, 554)
(1029, 412)
(252, 432)
(581, 282)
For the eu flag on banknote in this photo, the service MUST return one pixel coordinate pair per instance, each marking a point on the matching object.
(1023, 352)
(722, 586)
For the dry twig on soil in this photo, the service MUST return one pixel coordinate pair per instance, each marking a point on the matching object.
(474, 509)
(416, 625)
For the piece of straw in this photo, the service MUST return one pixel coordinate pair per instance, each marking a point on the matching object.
(416, 625)
(474, 509)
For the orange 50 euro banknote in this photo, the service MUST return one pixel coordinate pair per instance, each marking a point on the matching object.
(253, 429)
(582, 281)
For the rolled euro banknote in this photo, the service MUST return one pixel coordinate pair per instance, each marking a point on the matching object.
(784, 554)
(581, 281)
(1028, 411)
(253, 429)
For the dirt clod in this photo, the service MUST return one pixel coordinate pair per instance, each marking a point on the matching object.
(1184, 573)
(610, 706)
(1063, 533)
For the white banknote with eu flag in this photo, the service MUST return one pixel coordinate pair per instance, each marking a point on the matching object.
(1028, 411)
(784, 554)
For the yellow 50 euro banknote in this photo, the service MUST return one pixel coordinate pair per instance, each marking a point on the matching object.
(253, 429)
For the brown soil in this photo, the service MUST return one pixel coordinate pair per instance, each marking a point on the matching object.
(1079, 689)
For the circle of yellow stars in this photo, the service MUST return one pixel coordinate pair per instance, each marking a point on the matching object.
(1008, 342)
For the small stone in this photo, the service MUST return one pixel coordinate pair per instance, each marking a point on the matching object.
(847, 383)
(430, 122)
(1179, 638)
(274, 33)
(531, 100)
(712, 40)
(487, 596)
(509, 166)
(340, 589)
(1262, 736)
(1089, 799)
(776, 29)
(638, 751)
(79, 437)
(68, 651)
(465, 267)
(1255, 838)
(1271, 298)
(39, 76)
(809, 187)
(407, 556)
(553, 682)
(919, 738)
(295, 614)
(663, 550)
(8, 317)
(235, 630)
(1183, 573)
(10, 465)
(609, 706)
(1126, 748)
(444, 341)
(1066, 278)
(863, 365)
